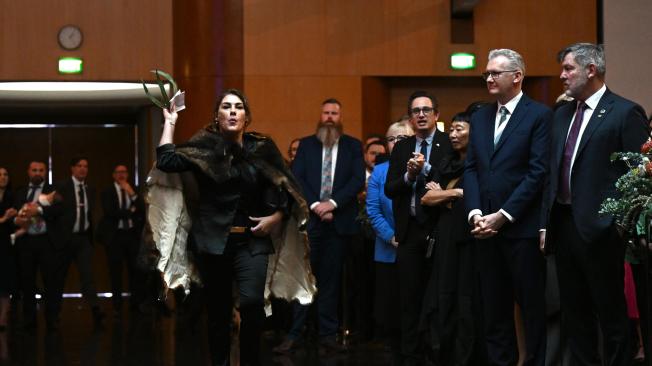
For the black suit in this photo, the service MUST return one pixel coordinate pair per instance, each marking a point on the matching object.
(411, 232)
(589, 251)
(37, 252)
(119, 231)
(76, 245)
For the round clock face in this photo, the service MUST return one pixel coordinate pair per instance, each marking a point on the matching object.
(70, 37)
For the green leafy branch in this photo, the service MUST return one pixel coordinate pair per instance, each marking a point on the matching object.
(165, 101)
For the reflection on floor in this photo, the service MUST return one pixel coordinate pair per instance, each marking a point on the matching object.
(145, 338)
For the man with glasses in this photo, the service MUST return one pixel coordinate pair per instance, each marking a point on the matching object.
(506, 166)
(119, 231)
(411, 164)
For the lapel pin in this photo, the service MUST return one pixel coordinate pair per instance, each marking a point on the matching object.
(599, 116)
(603, 110)
(437, 144)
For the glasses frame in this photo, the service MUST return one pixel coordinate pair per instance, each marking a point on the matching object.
(416, 111)
(494, 74)
(396, 138)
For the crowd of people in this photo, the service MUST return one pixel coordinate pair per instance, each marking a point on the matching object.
(432, 243)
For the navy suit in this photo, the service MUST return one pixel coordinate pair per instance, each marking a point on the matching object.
(328, 239)
(510, 176)
(589, 251)
(348, 181)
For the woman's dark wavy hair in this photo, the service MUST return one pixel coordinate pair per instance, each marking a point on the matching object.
(8, 188)
(239, 94)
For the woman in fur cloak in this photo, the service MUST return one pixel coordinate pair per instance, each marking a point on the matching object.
(240, 205)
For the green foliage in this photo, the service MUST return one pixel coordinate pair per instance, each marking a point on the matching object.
(635, 188)
(165, 101)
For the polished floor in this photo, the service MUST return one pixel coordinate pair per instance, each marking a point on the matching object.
(152, 337)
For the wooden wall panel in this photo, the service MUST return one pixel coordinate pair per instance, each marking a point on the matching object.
(375, 106)
(122, 39)
(453, 94)
(208, 57)
(289, 107)
(287, 41)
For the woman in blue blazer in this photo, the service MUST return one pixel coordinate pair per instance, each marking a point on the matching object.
(379, 211)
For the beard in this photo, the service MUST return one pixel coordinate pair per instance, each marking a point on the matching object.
(36, 180)
(328, 133)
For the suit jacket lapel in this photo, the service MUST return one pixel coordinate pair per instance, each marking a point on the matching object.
(599, 114)
(489, 126)
(340, 157)
(519, 113)
(436, 145)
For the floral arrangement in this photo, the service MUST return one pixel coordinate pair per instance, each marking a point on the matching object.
(633, 210)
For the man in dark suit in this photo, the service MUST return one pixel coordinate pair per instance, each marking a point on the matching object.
(75, 230)
(36, 248)
(589, 249)
(330, 169)
(411, 165)
(504, 175)
(119, 231)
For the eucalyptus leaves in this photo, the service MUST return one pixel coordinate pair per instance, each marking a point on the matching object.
(166, 100)
(634, 208)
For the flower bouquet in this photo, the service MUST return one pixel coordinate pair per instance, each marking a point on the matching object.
(633, 210)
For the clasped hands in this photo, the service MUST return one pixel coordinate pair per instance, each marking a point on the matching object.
(485, 227)
(324, 210)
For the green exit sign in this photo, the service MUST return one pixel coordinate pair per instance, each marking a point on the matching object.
(70, 65)
(462, 61)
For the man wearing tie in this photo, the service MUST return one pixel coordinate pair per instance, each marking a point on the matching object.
(412, 162)
(589, 250)
(119, 231)
(36, 248)
(75, 230)
(330, 170)
(504, 174)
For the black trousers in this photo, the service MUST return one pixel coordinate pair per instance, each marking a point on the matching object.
(512, 270)
(412, 266)
(79, 250)
(359, 287)
(37, 254)
(249, 272)
(122, 252)
(591, 288)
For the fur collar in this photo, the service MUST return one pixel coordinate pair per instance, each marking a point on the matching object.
(213, 155)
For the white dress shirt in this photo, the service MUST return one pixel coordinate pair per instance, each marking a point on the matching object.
(118, 190)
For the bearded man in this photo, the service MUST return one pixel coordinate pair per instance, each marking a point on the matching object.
(330, 170)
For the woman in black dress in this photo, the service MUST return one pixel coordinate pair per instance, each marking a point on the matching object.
(7, 265)
(244, 191)
(450, 303)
